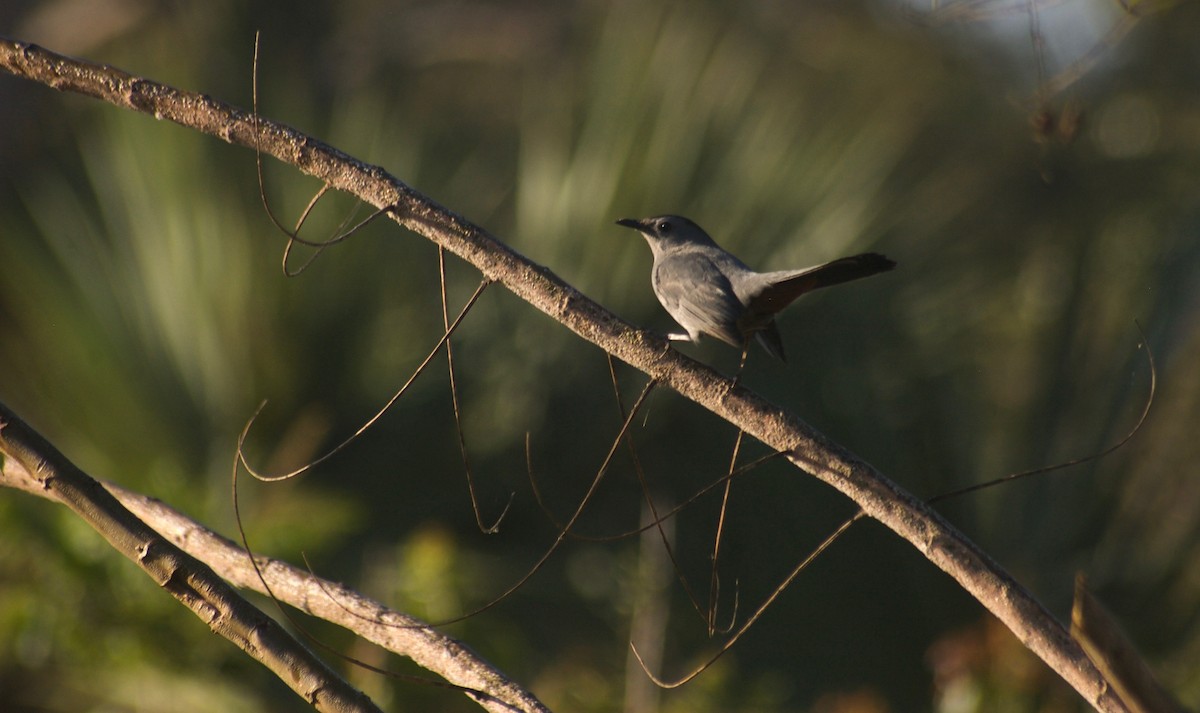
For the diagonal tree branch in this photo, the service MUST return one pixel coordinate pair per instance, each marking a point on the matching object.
(32, 464)
(809, 450)
(399, 633)
(333, 602)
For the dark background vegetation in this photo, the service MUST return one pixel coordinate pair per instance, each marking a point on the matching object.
(143, 316)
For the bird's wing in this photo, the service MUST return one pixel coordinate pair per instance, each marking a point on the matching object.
(781, 288)
(698, 296)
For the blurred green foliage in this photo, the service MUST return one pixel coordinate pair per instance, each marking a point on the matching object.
(143, 317)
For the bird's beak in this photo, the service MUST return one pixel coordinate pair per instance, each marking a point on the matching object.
(630, 223)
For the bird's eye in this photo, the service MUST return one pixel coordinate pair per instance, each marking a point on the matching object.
(664, 227)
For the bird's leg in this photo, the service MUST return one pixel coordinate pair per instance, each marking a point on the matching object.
(742, 363)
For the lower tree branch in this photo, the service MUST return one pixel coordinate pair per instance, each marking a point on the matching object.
(143, 524)
(31, 463)
(399, 633)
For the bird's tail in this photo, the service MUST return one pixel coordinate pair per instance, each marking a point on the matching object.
(785, 287)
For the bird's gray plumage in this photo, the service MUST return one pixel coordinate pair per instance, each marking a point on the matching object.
(709, 291)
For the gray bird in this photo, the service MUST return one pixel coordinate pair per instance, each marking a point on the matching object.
(709, 291)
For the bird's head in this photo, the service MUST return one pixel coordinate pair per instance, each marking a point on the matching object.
(665, 231)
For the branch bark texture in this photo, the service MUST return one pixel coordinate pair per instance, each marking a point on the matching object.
(809, 450)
